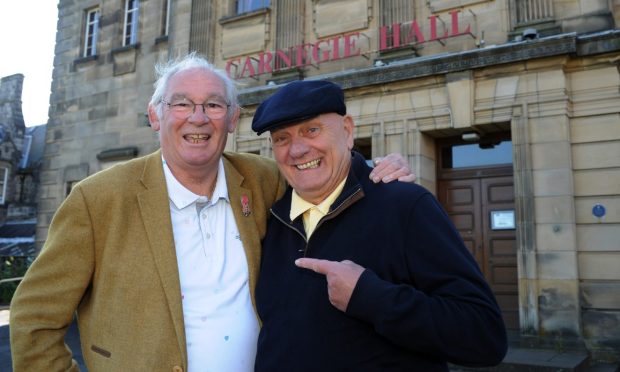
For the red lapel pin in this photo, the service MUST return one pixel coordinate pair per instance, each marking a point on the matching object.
(245, 205)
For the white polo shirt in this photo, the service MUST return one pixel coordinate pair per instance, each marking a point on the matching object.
(221, 328)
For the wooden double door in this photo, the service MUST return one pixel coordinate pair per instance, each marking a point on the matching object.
(481, 208)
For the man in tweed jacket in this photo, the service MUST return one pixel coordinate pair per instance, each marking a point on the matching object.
(158, 256)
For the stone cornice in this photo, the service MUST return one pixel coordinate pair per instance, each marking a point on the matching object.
(597, 43)
(570, 43)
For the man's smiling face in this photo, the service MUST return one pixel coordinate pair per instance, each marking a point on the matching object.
(314, 155)
(195, 141)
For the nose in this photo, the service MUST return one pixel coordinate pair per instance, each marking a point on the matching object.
(199, 114)
(298, 147)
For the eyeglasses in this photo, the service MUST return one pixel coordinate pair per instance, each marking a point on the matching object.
(185, 108)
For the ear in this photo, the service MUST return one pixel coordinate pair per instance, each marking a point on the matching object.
(234, 120)
(153, 118)
(349, 126)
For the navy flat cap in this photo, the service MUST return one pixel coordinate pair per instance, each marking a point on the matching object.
(298, 101)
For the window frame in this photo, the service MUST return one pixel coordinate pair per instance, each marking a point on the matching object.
(91, 36)
(130, 24)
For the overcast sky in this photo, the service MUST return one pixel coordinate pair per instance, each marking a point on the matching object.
(27, 38)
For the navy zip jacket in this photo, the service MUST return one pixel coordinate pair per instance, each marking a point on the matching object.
(421, 302)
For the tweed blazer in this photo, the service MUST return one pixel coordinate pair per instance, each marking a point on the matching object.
(109, 257)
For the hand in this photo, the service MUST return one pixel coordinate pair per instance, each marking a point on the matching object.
(341, 278)
(390, 168)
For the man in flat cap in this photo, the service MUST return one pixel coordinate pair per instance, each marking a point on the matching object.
(357, 275)
(158, 256)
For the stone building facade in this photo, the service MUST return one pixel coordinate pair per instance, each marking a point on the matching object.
(21, 151)
(508, 110)
(12, 130)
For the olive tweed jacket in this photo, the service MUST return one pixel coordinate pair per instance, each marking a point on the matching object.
(110, 257)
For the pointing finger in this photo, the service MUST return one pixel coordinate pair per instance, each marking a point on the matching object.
(314, 264)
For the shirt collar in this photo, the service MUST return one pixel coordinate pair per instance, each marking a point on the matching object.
(299, 205)
(181, 197)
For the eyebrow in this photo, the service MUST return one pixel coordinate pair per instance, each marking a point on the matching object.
(310, 122)
(209, 97)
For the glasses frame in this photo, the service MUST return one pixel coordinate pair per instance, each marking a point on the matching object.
(171, 106)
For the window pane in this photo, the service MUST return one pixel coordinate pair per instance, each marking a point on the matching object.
(473, 155)
(130, 35)
(90, 35)
(244, 6)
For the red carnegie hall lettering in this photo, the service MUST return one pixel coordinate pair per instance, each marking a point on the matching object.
(339, 47)
(415, 35)
(295, 56)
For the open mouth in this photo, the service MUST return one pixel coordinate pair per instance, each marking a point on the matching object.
(309, 165)
(196, 138)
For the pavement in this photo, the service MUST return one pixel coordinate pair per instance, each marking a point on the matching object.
(517, 360)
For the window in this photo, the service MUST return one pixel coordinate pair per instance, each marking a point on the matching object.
(289, 29)
(202, 28)
(165, 24)
(364, 147)
(477, 154)
(4, 176)
(130, 29)
(532, 11)
(396, 13)
(91, 32)
(245, 6)
(69, 185)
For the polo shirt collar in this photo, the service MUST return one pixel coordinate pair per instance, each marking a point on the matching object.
(181, 197)
(299, 205)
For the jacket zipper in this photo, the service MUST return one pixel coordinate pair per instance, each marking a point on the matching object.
(287, 224)
(332, 214)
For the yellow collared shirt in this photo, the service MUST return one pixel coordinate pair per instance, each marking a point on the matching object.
(312, 214)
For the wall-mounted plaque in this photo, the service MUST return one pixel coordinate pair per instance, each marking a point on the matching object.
(503, 220)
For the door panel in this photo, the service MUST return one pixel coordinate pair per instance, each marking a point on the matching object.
(461, 200)
(500, 247)
(469, 203)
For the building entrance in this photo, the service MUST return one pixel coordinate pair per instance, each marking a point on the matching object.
(475, 186)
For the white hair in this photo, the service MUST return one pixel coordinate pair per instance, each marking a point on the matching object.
(193, 60)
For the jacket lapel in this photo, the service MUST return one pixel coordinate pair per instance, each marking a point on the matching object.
(155, 211)
(239, 197)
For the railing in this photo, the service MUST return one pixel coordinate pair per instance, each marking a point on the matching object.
(8, 280)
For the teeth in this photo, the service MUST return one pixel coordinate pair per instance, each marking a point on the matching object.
(197, 137)
(308, 165)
